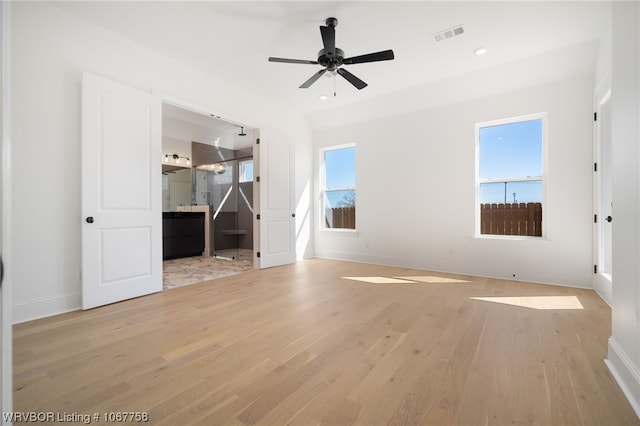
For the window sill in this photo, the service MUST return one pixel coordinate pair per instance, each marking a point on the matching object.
(492, 237)
(343, 231)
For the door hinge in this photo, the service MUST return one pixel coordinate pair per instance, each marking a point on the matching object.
(595, 269)
(257, 178)
(258, 141)
(595, 218)
(258, 217)
(595, 167)
(258, 254)
(595, 116)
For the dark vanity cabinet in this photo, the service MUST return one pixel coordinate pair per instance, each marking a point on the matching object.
(182, 234)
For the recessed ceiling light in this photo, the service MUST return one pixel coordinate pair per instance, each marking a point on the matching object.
(480, 51)
(323, 97)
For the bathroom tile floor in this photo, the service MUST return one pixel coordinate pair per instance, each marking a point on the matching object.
(191, 270)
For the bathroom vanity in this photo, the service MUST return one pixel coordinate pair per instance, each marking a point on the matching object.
(182, 234)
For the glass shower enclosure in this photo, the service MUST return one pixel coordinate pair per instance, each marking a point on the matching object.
(227, 186)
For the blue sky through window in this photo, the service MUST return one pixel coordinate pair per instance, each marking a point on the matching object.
(340, 168)
(516, 192)
(508, 151)
(340, 172)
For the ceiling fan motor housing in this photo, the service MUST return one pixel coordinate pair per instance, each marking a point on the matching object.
(330, 60)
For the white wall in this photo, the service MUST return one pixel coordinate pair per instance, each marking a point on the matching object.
(603, 61)
(624, 344)
(175, 145)
(415, 178)
(173, 137)
(51, 49)
(560, 64)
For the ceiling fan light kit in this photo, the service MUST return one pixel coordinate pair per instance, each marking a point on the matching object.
(332, 58)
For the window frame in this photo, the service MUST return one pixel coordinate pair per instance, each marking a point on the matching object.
(323, 189)
(241, 164)
(543, 116)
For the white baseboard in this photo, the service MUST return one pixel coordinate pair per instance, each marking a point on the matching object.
(45, 307)
(604, 289)
(436, 265)
(625, 372)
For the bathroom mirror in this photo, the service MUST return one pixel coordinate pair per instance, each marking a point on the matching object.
(176, 187)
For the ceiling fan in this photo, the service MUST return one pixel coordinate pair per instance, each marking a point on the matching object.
(332, 58)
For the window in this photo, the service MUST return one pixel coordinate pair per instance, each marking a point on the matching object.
(338, 187)
(510, 176)
(246, 171)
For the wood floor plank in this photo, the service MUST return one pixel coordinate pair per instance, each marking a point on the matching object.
(304, 345)
(339, 378)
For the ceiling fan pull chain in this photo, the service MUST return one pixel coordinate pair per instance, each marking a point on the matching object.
(334, 85)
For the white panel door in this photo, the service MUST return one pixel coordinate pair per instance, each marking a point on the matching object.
(277, 208)
(603, 190)
(121, 204)
(6, 371)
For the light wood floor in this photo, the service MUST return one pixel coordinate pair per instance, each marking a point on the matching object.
(301, 345)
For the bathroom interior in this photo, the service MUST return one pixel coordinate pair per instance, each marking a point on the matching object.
(207, 197)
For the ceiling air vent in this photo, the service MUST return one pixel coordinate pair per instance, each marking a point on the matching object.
(449, 33)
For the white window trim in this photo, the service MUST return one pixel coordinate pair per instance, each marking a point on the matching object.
(323, 190)
(544, 116)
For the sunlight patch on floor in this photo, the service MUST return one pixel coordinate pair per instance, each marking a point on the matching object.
(433, 279)
(406, 280)
(537, 302)
(380, 280)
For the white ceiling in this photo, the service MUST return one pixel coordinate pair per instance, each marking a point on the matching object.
(232, 40)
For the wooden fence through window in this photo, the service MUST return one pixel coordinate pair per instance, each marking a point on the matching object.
(340, 217)
(511, 219)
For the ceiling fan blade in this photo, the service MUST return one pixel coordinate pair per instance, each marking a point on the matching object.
(293, 61)
(329, 39)
(359, 84)
(313, 79)
(385, 55)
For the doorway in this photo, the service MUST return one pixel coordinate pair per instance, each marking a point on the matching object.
(208, 174)
(125, 125)
(603, 190)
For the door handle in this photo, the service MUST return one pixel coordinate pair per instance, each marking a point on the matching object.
(89, 219)
(609, 219)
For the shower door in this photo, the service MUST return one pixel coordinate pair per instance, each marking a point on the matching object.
(224, 193)
(227, 186)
